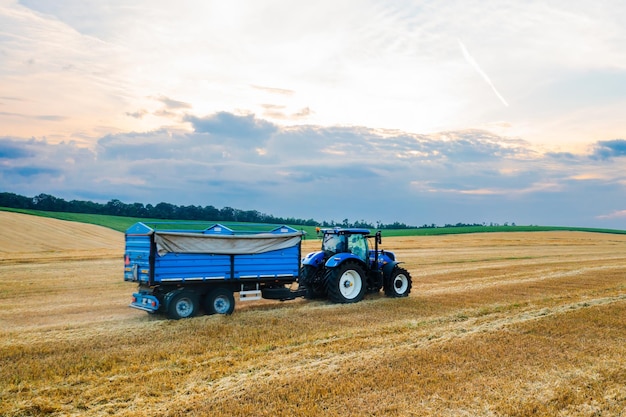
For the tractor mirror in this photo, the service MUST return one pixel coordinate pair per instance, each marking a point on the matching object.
(379, 238)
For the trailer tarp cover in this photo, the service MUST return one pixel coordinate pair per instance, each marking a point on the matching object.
(224, 244)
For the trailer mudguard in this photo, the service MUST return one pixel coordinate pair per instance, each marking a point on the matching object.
(314, 259)
(338, 259)
(168, 297)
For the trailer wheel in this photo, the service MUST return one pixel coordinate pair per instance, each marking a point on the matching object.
(399, 283)
(219, 301)
(345, 284)
(183, 305)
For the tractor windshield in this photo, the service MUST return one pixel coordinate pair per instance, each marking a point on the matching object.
(333, 243)
(357, 244)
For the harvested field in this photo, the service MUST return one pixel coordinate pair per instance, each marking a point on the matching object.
(497, 324)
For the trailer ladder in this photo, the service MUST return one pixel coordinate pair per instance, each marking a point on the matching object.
(250, 295)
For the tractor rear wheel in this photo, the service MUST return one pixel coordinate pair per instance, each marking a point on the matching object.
(345, 283)
(312, 281)
(399, 283)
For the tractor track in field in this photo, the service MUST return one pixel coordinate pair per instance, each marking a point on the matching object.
(382, 342)
(510, 279)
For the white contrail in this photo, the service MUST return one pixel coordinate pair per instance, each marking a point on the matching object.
(474, 64)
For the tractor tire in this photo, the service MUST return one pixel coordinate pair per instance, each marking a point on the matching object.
(345, 283)
(310, 281)
(219, 301)
(183, 305)
(399, 283)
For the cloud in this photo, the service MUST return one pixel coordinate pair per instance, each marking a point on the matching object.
(224, 124)
(137, 114)
(273, 90)
(324, 173)
(512, 190)
(609, 149)
(49, 117)
(167, 114)
(618, 214)
(387, 65)
(10, 149)
(37, 166)
(278, 112)
(173, 104)
(158, 144)
(32, 172)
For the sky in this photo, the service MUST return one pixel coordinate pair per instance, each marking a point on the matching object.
(418, 112)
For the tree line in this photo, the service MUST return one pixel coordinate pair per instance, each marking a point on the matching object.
(167, 211)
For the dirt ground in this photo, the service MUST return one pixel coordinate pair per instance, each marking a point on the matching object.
(496, 324)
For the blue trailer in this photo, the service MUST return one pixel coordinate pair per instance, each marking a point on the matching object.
(181, 271)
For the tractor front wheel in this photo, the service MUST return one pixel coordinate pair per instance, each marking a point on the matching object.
(398, 284)
(345, 283)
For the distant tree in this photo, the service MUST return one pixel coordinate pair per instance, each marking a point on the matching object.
(49, 203)
(211, 213)
(88, 207)
(396, 225)
(228, 214)
(137, 210)
(115, 208)
(164, 211)
(15, 201)
(190, 212)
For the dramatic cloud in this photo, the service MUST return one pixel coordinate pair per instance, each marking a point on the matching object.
(232, 126)
(326, 173)
(10, 149)
(610, 149)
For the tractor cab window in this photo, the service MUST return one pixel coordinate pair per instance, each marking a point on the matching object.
(334, 243)
(357, 245)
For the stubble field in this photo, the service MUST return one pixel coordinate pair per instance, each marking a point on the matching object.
(497, 324)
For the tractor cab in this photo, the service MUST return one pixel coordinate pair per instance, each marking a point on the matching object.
(354, 241)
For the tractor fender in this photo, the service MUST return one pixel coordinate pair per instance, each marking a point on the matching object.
(338, 259)
(388, 268)
(389, 254)
(314, 259)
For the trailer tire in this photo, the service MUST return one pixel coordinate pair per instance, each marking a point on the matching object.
(399, 283)
(345, 283)
(219, 301)
(183, 305)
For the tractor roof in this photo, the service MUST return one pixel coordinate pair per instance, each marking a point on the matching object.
(340, 231)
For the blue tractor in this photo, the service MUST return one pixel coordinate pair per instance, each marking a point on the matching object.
(348, 267)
